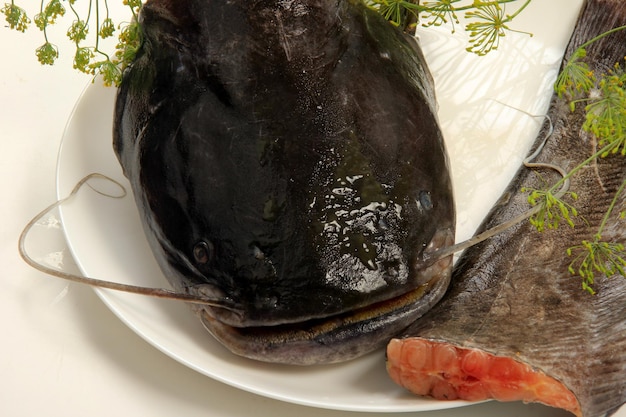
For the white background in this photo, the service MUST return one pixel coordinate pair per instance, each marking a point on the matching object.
(63, 353)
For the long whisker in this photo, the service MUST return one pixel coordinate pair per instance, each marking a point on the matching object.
(430, 258)
(152, 292)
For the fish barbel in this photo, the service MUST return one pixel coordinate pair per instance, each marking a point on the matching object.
(287, 163)
(515, 324)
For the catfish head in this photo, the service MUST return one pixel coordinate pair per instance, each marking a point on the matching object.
(286, 159)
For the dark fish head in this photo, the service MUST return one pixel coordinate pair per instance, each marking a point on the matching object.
(286, 158)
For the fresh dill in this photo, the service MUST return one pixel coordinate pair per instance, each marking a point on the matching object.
(604, 100)
(487, 24)
(553, 210)
(86, 31)
(604, 97)
(598, 256)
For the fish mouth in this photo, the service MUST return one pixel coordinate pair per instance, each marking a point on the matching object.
(335, 338)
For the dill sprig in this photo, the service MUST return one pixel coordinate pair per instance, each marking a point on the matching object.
(553, 210)
(490, 26)
(488, 23)
(575, 78)
(592, 255)
(15, 16)
(437, 13)
(606, 112)
(400, 13)
(86, 32)
(604, 98)
(487, 20)
(596, 256)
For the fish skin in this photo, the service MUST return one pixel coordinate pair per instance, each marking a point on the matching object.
(512, 296)
(285, 157)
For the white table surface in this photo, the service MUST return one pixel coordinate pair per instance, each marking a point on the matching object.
(63, 352)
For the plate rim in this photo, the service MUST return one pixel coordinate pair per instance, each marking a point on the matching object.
(108, 297)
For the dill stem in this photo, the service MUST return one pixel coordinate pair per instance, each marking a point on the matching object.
(132, 9)
(597, 154)
(89, 11)
(419, 8)
(45, 25)
(510, 17)
(75, 12)
(97, 26)
(600, 36)
(474, 6)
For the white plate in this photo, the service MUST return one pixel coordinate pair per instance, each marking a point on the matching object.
(106, 239)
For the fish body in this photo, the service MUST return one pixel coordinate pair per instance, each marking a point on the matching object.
(515, 324)
(287, 163)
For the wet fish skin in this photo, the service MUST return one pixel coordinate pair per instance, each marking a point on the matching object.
(285, 157)
(513, 297)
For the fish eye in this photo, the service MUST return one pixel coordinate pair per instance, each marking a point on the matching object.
(258, 253)
(425, 201)
(203, 252)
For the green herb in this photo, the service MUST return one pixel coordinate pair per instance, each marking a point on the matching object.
(552, 209)
(595, 256)
(16, 17)
(604, 98)
(488, 24)
(608, 258)
(576, 77)
(488, 21)
(606, 114)
(86, 31)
